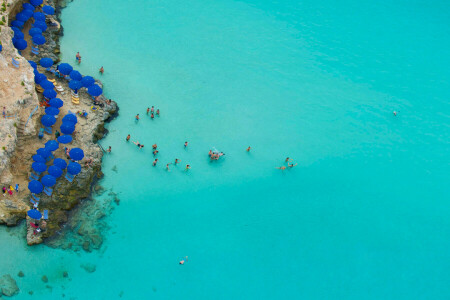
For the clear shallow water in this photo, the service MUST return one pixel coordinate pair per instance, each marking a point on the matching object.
(363, 215)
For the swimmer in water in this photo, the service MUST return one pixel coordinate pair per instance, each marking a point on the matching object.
(288, 159)
(128, 137)
(148, 110)
(248, 149)
(210, 153)
(101, 70)
(185, 144)
(153, 109)
(138, 144)
(167, 166)
(183, 260)
(177, 160)
(154, 146)
(395, 113)
(109, 149)
(152, 116)
(282, 168)
(137, 117)
(155, 152)
(154, 162)
(188, 167)
(157, 112)
(291, 165)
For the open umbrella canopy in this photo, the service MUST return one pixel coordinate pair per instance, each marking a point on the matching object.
(17, 23)
(39, 78)
(22, 17)
(67, 128)
(18, 35)
(75, 84)
(34, 213)
(49, 94)
(41, 25)
(60, 163)
(34, 31)
(28, 12)
(64, 139)
(87, 81)
(33, 64)
(74, 168)
(76, 154)
(15, 29)
(65, 68)
(43, 152)
(28, 6)
(55, 171)
(36, 2)
(52, 111)
(48, 180)
(48, 120)
(51, 145)
(47, 9)
(70, 118)
(46, 62)
(38, 167)
(35, 187)
(47, 85)
(38, 39)
(95, 90)
(38, 16)
(75, 75)
(56, 102)
(38, 158)
(20, 44)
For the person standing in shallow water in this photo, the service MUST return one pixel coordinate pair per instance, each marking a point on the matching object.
(248, 149)
(157, 112)
(185, 144)
(128, 137)
(137, 117)
(101, 70)
(78, 57)
(148, 110)
(109, 149)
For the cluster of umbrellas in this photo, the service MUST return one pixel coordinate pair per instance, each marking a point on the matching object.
(39, 25)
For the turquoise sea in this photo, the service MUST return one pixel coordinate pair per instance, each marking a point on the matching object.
(364, 214)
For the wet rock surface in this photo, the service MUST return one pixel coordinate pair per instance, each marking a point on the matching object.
(88, 267)
(8, 286)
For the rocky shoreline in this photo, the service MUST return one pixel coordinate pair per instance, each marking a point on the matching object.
(66, 204)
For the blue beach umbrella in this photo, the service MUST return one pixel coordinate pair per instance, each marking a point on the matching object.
(64, 139)
(39, 78)
(55, 171)
(17, 23)
(74, 168)
(87, 81)
(75, 85)
(47, 85)
(67, 128)
(35, 187)
(51, 145)
(76, 154)
(28, 13)
(20, 44)
(47, 9)
(28, 6)
(52, 111)
(43, 152)
(34, 31)
(56, 102)
(15, 29)
(41, 25)
(34, 213)
(38, 16)
(46, 62)
(75, 75)
(21, 17)
(18, 35)
(49, 94)
(36, 2)
(65, 68)
(38, 158)
(38, 39)
(48, 180)
(95, 90)
(33, 64)
(38, 167)
(60, 163)
(70, 118)
(48, 120)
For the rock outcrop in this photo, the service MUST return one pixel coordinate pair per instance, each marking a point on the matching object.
(8, 286)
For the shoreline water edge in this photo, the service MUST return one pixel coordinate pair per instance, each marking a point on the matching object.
(19, 132)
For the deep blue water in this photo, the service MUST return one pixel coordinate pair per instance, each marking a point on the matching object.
(364, 214)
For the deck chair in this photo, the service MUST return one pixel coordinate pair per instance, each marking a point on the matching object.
(69, 177)
(15, 63)
(48, 191)
(34, 202)
(48, 130)
(45, 216)
(33, 176)
(34, 50)
(33, 196)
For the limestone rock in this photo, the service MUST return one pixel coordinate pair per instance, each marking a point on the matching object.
(88, 267)
(8, 286)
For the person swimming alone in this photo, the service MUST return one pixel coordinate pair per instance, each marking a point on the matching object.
(155, 146)
(148, 110)
(139, 145)
(183, 260)
(128, 137)
(155, 152)
(154, 162)
(282, 168)
(248, 149)
(101, 70)
(177, 160)
(188, 167)
(137, 117)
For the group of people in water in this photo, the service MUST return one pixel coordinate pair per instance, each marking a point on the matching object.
(289, 163)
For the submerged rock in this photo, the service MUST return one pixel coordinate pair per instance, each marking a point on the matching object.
(44, 279)
(8, 286)
(21, 274)
(90, 268)
(65, 274)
